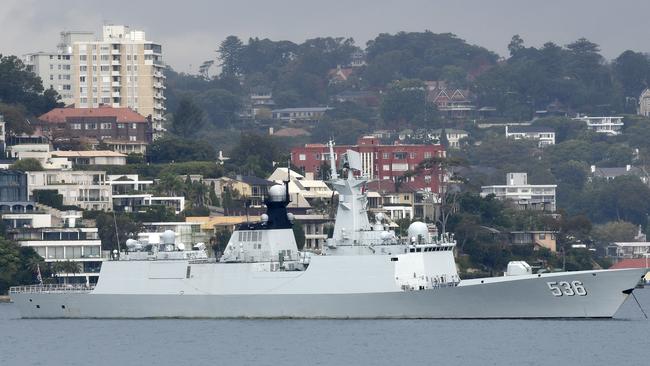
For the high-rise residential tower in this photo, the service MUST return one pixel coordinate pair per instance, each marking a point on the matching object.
(121, 69)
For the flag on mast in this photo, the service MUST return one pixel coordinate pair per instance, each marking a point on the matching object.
(39, 278)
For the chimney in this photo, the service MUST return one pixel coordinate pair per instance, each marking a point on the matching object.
(628, 167)
(593, 169)
(270, 130)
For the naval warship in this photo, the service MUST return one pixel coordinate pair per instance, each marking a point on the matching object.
(364, 271)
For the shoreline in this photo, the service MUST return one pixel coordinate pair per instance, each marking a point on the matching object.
(4, 299)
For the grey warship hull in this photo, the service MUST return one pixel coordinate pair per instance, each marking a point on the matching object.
(531, 297)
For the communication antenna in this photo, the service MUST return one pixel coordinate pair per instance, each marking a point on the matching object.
(117, 234)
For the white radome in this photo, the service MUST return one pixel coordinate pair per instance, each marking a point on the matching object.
(418, 229)
(277, 193)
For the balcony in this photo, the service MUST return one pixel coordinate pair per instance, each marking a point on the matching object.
(115, 63)
(159, 86)
(115, 51)
(115, 73)
(115, 95)
(116, 84)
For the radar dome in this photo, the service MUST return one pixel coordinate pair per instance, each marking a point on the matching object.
(168, 237)
(131, 243)
(385, 235)
(264, 218)
(419, 231)
(379, 217)
(277, 193)
(180, 246)
(290, 216)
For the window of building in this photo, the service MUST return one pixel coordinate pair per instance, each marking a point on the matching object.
(91, 126)
(83, 68)
(82, 79)
(106, 126)
(400, 155)
(413, 155)
(121, 125)
(134, 126)
(386, 167)
(427, 154)
(542, 236)
(385, 155)
(83, 58)
(302, 157)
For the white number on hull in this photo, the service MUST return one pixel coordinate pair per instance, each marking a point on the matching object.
(565, 288)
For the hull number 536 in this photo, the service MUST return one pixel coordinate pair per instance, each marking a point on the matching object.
(564, 288)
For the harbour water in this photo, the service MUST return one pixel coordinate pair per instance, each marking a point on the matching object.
(622, 341)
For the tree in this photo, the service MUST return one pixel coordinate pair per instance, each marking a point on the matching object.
(19, 86)
(230, 54)
(448, 196)
(174, 149)
(16, 264)
(204, 69)
(254, 155)
(632, 69)
(614, 231)
(126, 228)
(188, 120)
(221, 106)
(27, 165)
(516, 44)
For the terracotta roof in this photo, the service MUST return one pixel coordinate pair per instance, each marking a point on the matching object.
(60, 115)
(291, 132)
(631, 263)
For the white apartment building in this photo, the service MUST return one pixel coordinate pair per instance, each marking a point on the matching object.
(524, 195)
(644, 103)
(80, 245)
(454, 136)
(608, 125)
(130, 194)
(88, 190)
(55, 68)
(121, 69)
(543, 135)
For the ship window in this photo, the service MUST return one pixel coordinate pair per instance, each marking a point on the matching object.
(241, 236)
(189, 270)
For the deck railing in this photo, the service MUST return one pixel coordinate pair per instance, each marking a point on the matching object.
(58, 288)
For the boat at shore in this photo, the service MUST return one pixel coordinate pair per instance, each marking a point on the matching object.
(364, 271)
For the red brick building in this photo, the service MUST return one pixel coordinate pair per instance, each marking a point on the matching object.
(122, 129)
(378, 161)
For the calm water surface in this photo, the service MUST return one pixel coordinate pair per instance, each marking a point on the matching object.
(624, 341)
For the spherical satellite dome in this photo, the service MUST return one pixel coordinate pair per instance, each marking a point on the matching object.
(290, 216)
(385, 235)
(131, 243)
(168, 237)
(277, 193)
(379, 217)
(419, 231)
(264, 218)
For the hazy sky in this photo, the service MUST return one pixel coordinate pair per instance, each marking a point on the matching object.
(189, 30)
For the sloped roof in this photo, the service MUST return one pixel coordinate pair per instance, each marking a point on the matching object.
(530, 129)
(617, 171)
(60, 115)
(631, 263)
(87, 154)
